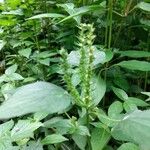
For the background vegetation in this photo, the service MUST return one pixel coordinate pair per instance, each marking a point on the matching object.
(91, 61)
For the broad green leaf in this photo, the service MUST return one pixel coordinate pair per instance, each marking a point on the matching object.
(25, 52)
(134, 54)
(115, 109)
(135, 65)
(120, 93)
(12, 69)
(80, 140)
(134, 127)
(98, 89)
(24, 129)
(53, 139)
(144, 6)
(35, 97)
(46, 15)
(5, 127)
(99, 138)
(128, 146)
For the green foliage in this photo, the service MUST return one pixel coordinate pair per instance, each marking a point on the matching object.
(74, 74)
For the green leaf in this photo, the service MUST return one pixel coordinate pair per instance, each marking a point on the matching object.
(115, 109)
(137, 102)
(24, 129)
(134, 127)
(98, 89)
(83, 10)
(35, 97)
(134, 54)
(144, 6)
(53, 139)
(46, 15)
(15, 76)
(129, 106)
(12, 69)
(80, 140)
(128, 146)
(120, 93)
(99, 138)
(25, 52)
(135, 65)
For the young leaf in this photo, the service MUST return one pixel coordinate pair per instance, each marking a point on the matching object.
(99, 138)
(135, 65)
(120, 93)
(53, 139)
(35, 97)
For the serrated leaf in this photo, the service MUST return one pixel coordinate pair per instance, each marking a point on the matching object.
(35, 97)
(135, 65)
(99, 138)
(53, 139)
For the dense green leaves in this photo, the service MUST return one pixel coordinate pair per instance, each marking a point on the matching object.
(39, 96)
